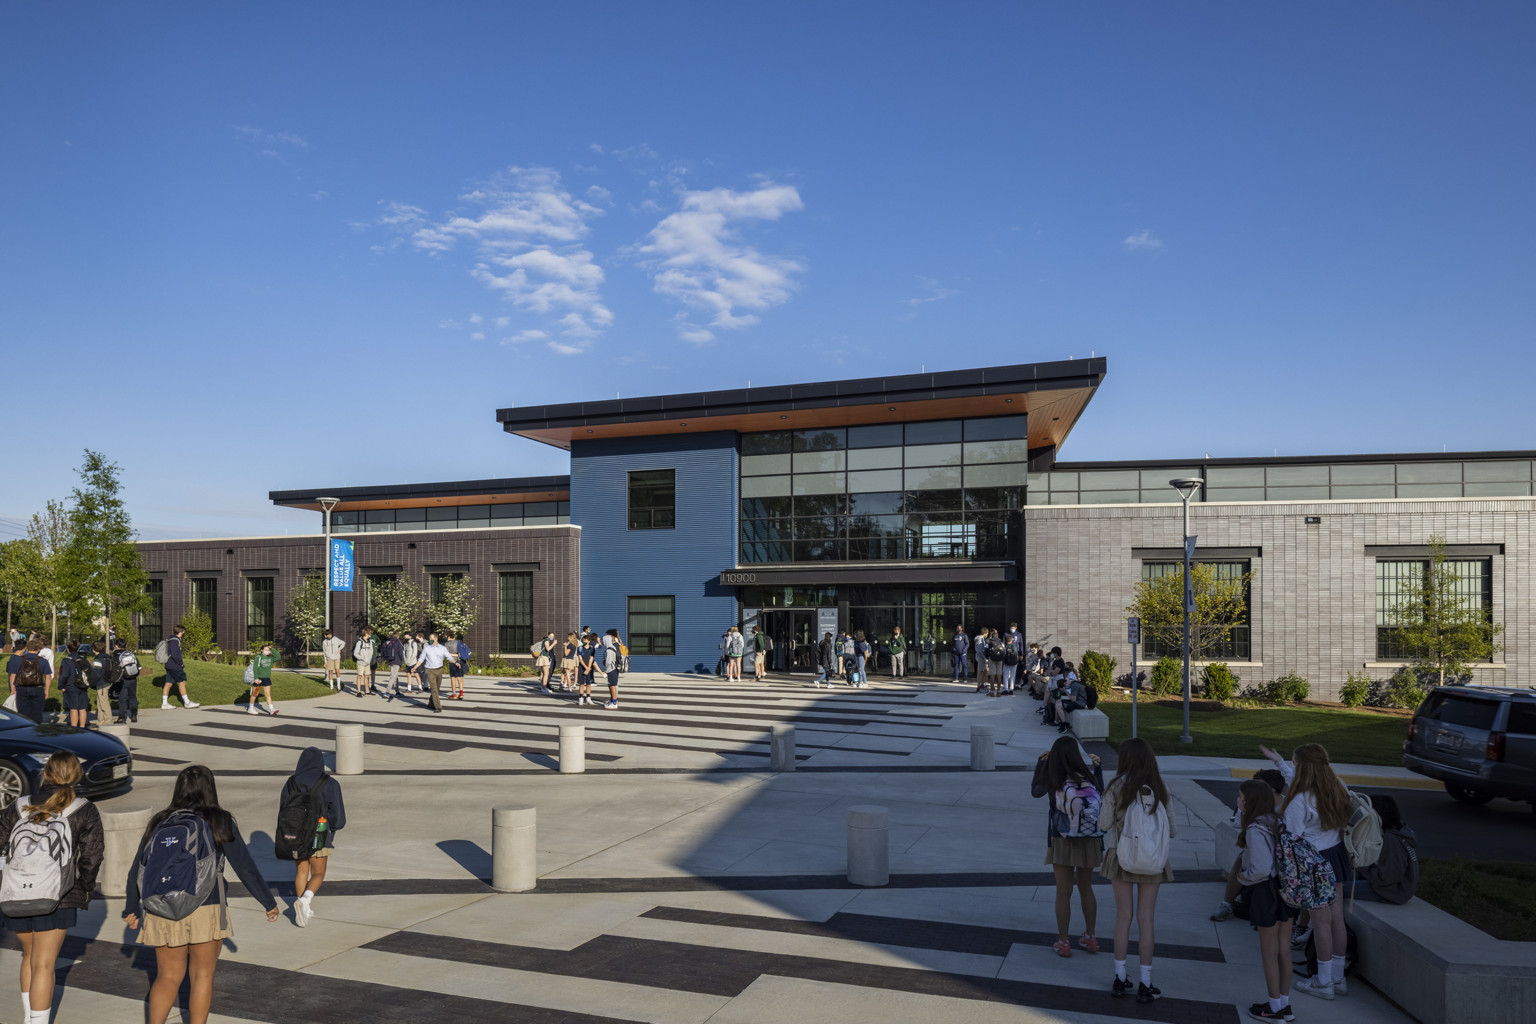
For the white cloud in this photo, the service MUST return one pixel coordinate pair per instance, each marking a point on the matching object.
(259, 137)
(476, 318)
(598, 194)
(522, 336)
(567, 350)
(933, 291)
(696, 257)
(1143, 241)
(503, 321)
(639, 151)
(594, 147)
(477, 336)
(519, 205)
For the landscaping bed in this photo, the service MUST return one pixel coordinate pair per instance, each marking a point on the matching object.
(1352, 736)
(1496, 897)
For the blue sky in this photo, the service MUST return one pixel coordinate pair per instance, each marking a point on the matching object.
(319, 244)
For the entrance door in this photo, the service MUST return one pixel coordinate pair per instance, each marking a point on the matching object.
(792, 630)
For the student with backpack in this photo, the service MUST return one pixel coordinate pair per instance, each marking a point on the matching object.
(394, 656)
(860, 675)
(459, 663)
(176, 892)
(330, 652)
(52, 849)
(615, 660)
(75, 686)
(1228, 907)
(29, 676)
(259, 679)
(586, 668)
(1395, 875)
(1316, 809)
(364, 650)
(759, 647)
(1071, 696)
(175, 672)
(1134, 815)
(568, 663)
(410, 654)
(824, 661)
(125, 665)
(545, 653)
(99, 683)
(1257, 837)
(1075, 844)
(310, 812)
(959, 647)
(735, 650)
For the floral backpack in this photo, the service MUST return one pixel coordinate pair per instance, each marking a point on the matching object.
(1305, 876)
(1075, 810)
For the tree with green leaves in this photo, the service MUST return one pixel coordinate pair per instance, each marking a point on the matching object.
(101, 564)
(455, 609)
(394, 606)
(304, 622)
(21, 572)
(1221, 603)
(198, 638)
(1445, 628)
(50, 534)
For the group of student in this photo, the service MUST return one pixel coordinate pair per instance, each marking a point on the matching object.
(53, 847)
(1302, 838)
(579, 661)
(416, 663)
(34, 669)
(736, 645)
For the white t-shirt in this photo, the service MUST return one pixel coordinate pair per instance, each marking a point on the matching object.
(1301, 818)
(433, 655)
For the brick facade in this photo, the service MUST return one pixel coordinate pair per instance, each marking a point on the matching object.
(1314, 610)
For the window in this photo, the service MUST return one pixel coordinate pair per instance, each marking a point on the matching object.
(436, 590)
(652, 499)
(652, 624)
(370, 581)
(152, 621)
(1238, 645)
(514, 612)
(258, 610)
(205, 598)
(1397, 579)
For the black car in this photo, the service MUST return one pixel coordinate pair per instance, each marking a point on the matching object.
(1480, 741)
(25, 747)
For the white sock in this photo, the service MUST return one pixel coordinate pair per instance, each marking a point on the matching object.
(309, 894)
(1120, 970)
(1324, 972)
(1276, 1005)
(26, 1004)
(1338, 969)
(1146, 975)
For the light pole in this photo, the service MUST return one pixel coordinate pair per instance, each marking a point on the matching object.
(1187, 486)
(327, 504)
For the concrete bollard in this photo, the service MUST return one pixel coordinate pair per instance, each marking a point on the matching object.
(349, 749)
(514, 848)
(573, 749)
(983, 755)
(781, 749)
(122, 831)
(120, 731)
(869, 845)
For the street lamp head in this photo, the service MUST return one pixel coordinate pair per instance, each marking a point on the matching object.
(328, 503)
(1186, 485)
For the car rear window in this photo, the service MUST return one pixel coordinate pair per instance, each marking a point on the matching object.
(1522, 719)
(1464, 711)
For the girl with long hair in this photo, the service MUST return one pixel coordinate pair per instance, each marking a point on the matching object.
(1316, 808)
(1074, 789)
(42, 936)
(1135, 894)
(568, 663)
(191, 945)
(1258, 828)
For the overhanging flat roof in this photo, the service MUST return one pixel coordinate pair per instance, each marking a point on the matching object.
(461, 492)
(1053, 394)
(1299, 460)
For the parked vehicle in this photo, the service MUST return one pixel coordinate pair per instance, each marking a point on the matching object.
(25, 747)
(1480, 741)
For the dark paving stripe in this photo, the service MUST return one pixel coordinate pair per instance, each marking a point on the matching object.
(712, 970)
(724, 716)
(895, 931)
(413, 740)
(727, 769)
(273, 996)
(197, 738)
(744, 883)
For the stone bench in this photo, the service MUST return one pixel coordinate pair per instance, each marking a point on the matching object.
(1090, 724)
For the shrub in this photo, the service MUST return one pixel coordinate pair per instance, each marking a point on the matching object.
(1098, 671)
(1356, 689)
(1405, 689)
(124, 629)
(1218, 682)
(199, 636)
(1168, 676)
(1288, 689)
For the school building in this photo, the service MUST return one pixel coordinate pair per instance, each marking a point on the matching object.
(925, 501)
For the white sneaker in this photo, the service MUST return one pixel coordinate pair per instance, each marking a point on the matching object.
(1311, 987)
(191, 704)
(1341, 987)
(165, 704)
(251, 708)
(302, 912)
(271, 709)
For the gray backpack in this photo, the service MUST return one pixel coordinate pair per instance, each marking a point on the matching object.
(40, 866)
(179, 867)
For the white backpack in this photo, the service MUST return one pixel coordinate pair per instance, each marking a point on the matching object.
(1362, 833)
(1143, 848)
(130, 663)
(40, 868)
(163, 651)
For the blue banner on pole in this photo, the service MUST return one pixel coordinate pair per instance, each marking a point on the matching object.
(341, 564)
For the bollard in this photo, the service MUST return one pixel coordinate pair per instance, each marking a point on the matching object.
(573, 749)
(120, 731)
(514, 848)
(983, 757)
(121, 831)
(869, 845)
(349, 749)
(781, 749)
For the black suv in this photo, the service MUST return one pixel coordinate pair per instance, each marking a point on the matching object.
(1478, 740)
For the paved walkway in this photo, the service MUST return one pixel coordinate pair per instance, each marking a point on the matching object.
(679, 880)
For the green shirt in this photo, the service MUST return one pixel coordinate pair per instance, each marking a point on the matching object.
(261, 666)
(898, 644)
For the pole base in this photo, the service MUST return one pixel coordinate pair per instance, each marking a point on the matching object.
(1186, 739)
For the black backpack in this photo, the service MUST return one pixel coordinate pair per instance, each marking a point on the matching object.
(994, 651)
(297, 835)
(82, 670)
(1090, 697)
(1011, 655)
(30, 673)
(111, 669)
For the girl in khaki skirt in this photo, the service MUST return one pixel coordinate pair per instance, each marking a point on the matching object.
(191, 945)
(1135, 895)
(1072, 832)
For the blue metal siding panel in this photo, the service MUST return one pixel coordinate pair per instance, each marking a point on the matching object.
(617, 562)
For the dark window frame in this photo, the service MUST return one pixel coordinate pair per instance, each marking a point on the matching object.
(652, 499)
(651, 641)
(514, 612)
(203, 592)
(1238, 646)
(1388, 647)
(152, 621)
(260, 596)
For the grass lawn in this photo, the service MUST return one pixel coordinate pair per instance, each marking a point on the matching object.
(1499, 898)
(211, 683)
(1352, 737)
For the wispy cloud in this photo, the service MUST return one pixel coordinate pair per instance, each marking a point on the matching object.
(525, 231)
(932, 291)
(522, 337)
(697, 257)
(268, 144)
(1143, 241)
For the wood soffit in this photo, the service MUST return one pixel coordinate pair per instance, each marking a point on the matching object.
(436, 502)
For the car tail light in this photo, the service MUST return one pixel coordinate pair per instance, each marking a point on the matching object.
(1413, 720)
(1495, 746)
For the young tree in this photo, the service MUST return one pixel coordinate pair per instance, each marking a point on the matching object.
(102, 563)
(21, 572)
(1446, 628)
(306, 614)
(49, 532)
(1221, 602)
(198, 639)
(456, 611)
(394, 606)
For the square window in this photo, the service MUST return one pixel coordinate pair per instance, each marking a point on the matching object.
(1233, 476)
(771, 442)
(997, 428)
(934, 432)
(1354, 473)
(764, 486)
(875, 458)
(819, 483)
(1504, 471)
(932, 478)
(1428, 472)
(820, 462)
(1296, 476)
(652, 499)
(879, 436)
(1005, 475)
(652, 625)
(875, 480)
(933, 455)
(829, 439)
(996, 451)
(762, 465)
